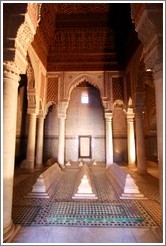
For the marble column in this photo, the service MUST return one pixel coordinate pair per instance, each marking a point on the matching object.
(39, 143)
(109, 141)
(158, 82)
(61, 146)
(10, 94)
(130, 137)
(30, 154)
(140, 143)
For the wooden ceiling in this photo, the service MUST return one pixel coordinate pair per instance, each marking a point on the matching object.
(85, 36)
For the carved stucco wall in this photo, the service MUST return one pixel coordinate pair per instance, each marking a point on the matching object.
(67, 81)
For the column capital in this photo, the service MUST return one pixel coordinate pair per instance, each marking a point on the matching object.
(32, 115)
(41, 116)
(11, 71)
(108, 115)
(61, 115)
(130, 114)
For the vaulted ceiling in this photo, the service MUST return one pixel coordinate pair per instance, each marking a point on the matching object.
(85, 36)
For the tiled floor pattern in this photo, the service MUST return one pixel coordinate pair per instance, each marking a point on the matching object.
(107, 211)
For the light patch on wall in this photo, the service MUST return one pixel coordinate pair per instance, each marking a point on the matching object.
(84, 97)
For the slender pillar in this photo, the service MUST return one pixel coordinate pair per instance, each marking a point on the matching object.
(158, 81)
(61, 147)
(140, 143)
(130, 137)
(30, 155)
(10, 93)
(109, 142)
(39, 144)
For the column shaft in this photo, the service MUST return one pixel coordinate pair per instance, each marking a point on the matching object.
(131, 140)
(140, 143)
(61, 147)
(39, 144)
(10, 94)
(158, 81)
(109, 142)
(30, 155)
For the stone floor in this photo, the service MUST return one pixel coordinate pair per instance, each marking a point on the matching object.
(59, 219)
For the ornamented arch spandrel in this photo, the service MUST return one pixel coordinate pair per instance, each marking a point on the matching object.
(91, 80)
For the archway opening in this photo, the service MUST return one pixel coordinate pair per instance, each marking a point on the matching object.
(85, 127)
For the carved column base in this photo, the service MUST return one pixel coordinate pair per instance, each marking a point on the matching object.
(10, 232)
